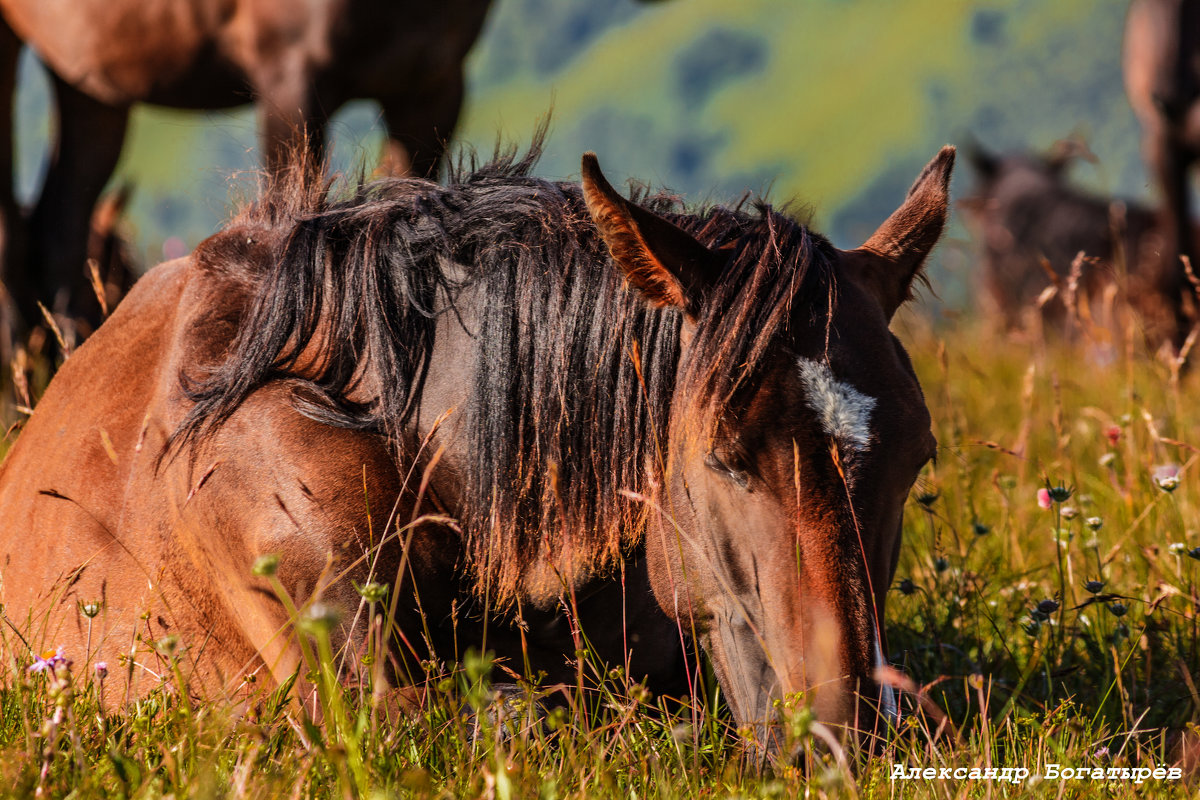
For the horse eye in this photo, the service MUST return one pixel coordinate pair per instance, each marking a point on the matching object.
(739, 477)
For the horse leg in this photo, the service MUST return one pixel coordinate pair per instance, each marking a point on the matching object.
(1171, 164)
(14, 272)
(290, 117)
(419, 128)
(90, 136)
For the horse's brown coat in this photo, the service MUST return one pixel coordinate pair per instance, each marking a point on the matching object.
(775, 548)
(1161, 61)
(298, 61)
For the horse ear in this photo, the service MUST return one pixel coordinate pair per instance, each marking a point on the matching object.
(985, 163)
(1064, 151)
(889, 261)
(658, 258)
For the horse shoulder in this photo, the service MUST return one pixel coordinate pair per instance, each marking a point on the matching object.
(271, 481)
(64, 483)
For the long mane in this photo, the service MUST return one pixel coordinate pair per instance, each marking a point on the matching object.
(575, 380)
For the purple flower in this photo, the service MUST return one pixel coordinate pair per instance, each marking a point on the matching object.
(49, 660)
(101, 669)
(1166, 477)
(1044, 500)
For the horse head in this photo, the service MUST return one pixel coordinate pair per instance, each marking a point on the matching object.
(786, 468)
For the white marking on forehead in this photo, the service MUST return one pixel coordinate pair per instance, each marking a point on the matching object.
(845, 412)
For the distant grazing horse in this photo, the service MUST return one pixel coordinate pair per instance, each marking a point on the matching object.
(647, 423)
(1024, 211)
(298, 60)
(1162, 79)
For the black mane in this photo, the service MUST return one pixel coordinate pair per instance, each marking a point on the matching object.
(574, 376)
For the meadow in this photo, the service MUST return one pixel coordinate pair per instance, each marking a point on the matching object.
(1044, 612)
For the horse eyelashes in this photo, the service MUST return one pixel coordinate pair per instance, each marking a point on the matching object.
(739, 477)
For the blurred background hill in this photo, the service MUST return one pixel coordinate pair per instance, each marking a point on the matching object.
(831, 104)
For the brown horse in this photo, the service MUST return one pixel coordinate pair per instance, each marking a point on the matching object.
(1162, 79)
(648, 425)
(1026, 216)
(299, 61)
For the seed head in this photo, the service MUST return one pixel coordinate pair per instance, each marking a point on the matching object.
(1094, 586)
(1060, 493)
(907, 587)
(1094, 523)
(1048, 606)
(1117, 609)
(90, 609)
(372, 592)
(1166, 477)
(266, 566)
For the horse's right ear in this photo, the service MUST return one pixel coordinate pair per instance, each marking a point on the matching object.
(659, 259)
(891, 259)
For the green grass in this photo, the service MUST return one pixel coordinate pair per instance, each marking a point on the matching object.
(1105, 679)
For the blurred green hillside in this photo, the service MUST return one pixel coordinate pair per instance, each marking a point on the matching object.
(835, 104)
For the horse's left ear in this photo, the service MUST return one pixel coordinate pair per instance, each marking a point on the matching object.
(888, 262)
(659, 259)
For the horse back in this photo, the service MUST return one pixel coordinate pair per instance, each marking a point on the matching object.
(98, 509)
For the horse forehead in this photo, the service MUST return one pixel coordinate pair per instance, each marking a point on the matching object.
(842, 410)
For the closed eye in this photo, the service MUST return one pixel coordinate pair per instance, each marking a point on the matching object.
(739, 477)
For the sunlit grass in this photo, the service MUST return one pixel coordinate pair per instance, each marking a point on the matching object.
(1044, 612)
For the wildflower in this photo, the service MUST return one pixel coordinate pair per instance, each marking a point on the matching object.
(1069, 512)
(49, 661)
(1094, 523)
(372, 592)
(90, 609)
(1060, 493)
(907, 587)
(1093, 586)
(1113, 434)
(319, 619)
(1108, 459)
(941, 564)
(1101, 753)
(167, 645)
(1177, 548)
(1117, 609)
(265, 566)
(1043, 497)
(101, 670)
(1167, 477)
(1048, 606)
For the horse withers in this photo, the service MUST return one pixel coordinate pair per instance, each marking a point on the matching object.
(539, 411)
